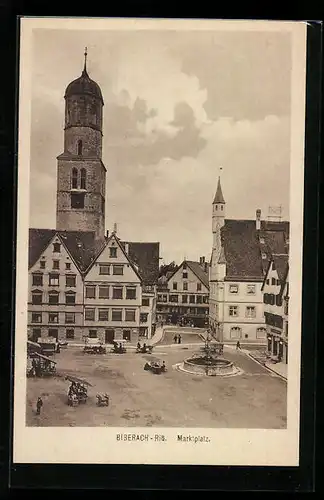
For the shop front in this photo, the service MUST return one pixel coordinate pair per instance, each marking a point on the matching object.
(277, 345)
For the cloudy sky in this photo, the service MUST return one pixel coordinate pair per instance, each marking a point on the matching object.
(178, 105)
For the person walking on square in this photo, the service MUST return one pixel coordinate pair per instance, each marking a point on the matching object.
(179, 339)
(39, 405)
(238, 345)
(175, 338)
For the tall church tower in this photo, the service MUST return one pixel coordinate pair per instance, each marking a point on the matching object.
(81, 174)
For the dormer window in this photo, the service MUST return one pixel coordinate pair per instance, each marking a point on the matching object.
(262, 240)
(264, 255)
(83, 178)
(79, 148)
(222, 207)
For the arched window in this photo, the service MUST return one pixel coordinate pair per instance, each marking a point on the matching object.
(236, 332)
(74, 178)
(83, 178)
(80, 148)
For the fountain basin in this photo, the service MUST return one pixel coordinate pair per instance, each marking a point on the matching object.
(212, 367)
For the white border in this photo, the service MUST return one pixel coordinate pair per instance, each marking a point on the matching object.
(99, 445)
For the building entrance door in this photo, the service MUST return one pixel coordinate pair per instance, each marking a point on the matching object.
(109, 336)
(127, 335)
(53, 332)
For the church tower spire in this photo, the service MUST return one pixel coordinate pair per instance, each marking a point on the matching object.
(81, 174)
(218, 216)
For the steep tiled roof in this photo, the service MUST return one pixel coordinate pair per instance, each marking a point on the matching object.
(199, 272)
(281, 265)
(146, 256)
(81, 245)
(243, 249)
(38, 242)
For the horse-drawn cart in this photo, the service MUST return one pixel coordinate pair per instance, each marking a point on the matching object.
(145, 349)
(78, 390)
(119, 347)
(93, 346)
(155, 367)
(39, 365)
(94, 349)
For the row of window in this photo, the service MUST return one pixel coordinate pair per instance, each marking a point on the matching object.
(90, 315)
(271, 299)
(274, 281)
(55, 263)
(250, 311)
(117, 292)
(192, 299)
(117, 269)
(53, 297)
(185, 284)
(53, 279)
(107, 314)
(236, 333)
(52, 317)
(70, 333)
(250, 289)
(183, 310)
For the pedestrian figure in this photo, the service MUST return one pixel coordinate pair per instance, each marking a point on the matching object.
(34, 367)
(179, 339)
(39, 405)
(238, 345)
(138, 345)
(175, 338)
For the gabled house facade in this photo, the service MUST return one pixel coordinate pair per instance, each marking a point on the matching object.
(240, 256)
(55, 303)
(185, 300)
(276, 306)
(113, 295)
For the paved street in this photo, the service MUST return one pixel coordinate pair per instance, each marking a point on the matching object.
(255, 399)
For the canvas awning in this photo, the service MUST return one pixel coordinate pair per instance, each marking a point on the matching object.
(45, 357)
(77, 380)
(33, 346)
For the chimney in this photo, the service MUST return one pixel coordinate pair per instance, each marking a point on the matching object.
(107, 234)
(258, 220)
(202, 261)
(206, 267)
(115, 228)
(127, 248)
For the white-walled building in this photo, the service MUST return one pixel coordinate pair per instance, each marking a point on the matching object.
(184, 299)
(240, 256)
(113, 295)
(276, 305)
(78, 290)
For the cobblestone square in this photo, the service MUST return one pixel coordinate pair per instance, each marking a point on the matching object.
(254, 399)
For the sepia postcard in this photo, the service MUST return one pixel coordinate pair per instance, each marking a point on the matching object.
(159, 241)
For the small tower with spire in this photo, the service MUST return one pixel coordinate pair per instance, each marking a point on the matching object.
(218, 215)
